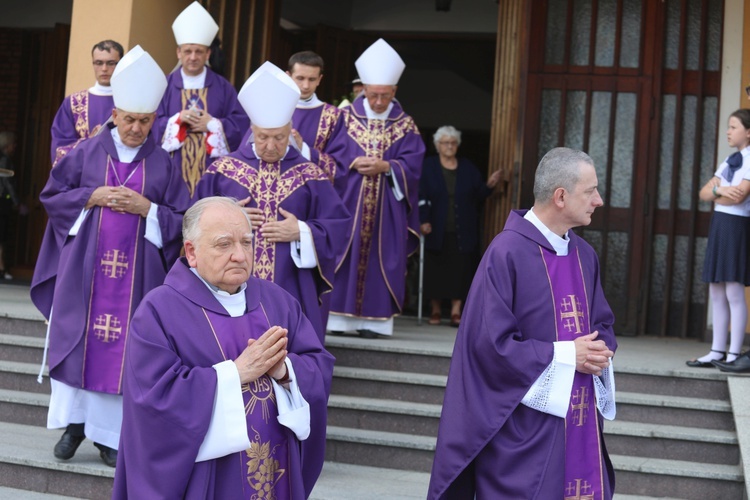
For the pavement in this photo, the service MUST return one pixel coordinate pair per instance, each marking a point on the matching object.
(645, 354)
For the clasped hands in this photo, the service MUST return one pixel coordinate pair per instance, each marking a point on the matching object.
(366, 165)
(592, 356)
(120, 199)
(195, 119)
(264, 356)
(286, 230)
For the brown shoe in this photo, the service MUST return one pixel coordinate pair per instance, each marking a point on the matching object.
(455, 320)
(434, 319)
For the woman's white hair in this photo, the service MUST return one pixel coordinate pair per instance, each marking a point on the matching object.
(446, 131)
(191, 221)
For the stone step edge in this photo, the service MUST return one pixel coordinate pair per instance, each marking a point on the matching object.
(17, 494)
(385, 345)
(675, 402)
(380, 438)
(22, 368)
(21, 340)
(672, 432)
(677, 468)
(389, 376)
(24, 397)
(384, 406)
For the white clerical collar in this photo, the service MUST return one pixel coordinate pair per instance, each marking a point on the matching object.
(372, 115)
(311, 102)
(234, 303)
(124, 152)
(98, 89)
(559, 244)
(258, 157)
(193, 82)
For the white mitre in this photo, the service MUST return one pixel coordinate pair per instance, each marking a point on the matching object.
(269, 97)
(380, 64)
(195, 25)
(138, 83)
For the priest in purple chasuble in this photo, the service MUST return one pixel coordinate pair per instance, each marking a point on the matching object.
(302, 225)
(381, 151)
(226, 382)
(82, 113)
(531, 379)
(115, 207)
(199, 118)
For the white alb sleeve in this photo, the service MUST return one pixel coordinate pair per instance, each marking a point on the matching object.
(216, 138)
(604, 388)
(550, 392)
(153, 229)
(397, 193)
(77, 224)
(294, 410)
(303, 251)
(305, 151)
(227, 432)
(171, 141)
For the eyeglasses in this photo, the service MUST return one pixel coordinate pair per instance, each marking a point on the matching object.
(110, 64)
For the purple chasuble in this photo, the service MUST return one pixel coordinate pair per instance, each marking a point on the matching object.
(111, 301)
(264, 466)
(317, 126)
(385, 231)
(303, 189)
(583, 458)
(79, 114)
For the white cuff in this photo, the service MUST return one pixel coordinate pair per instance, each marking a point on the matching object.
(171, 142)
(303, 251)
(604, 388)
(153, 229)
(294, 411)
(215, 139)
(397, 193)
(550, 393)
(227, 432)
(77, 224)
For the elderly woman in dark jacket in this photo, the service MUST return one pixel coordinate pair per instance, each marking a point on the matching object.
(451, 190)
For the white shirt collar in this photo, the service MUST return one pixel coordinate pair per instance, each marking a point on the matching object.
(559, 244)
(234, 303)
(124, 153)
(311, 102)
(100, 89)
(193, 82)
(372, 115)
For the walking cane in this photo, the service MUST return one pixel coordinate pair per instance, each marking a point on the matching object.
(421, 278)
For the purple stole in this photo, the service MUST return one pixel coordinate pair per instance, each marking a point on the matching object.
(79, 107)
(193, 150)
(373, 145)
(584, 478)
(111, 302)
(319, 136)
(264, 467)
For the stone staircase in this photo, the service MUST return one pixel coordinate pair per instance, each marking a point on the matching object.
(675, 436)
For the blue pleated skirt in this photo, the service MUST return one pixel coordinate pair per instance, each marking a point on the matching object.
(728, 249)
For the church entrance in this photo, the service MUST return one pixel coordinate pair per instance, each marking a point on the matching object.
(636, 85)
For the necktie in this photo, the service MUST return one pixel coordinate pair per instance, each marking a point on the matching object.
(733, 163)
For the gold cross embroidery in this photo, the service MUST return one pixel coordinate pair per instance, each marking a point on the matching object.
(580, 404)
(571, 309)
(578, 492)
(114, 264)
(107, 328)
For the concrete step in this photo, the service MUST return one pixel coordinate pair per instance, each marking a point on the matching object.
(657, 478)
(17, 376)
(21, 348)
(668, 410)
(22, 407)
(27, 463)
(710, 446)
(24, 326)
(340, 481)
(391, 355)
(709, 384)
(380, 449)
(383, 415)
(14, 494)
(382, 384)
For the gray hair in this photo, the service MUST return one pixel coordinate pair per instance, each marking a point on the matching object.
(6, 139)
(560, 168)
(190, 222)
(446, 131)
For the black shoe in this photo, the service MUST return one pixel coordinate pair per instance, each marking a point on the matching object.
(336, 333)
(368, 334)
(67, 446)
(739, 365)
(107, 454)
(694, 363)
